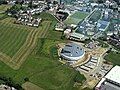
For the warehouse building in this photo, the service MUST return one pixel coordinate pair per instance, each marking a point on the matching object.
(111, 81)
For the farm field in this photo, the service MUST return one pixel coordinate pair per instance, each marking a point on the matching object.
(41, 66)
(76, 18)
(17, 41)
(4, 7)
(11, 38)
(36, 62)
(3, 16)
(51, 33)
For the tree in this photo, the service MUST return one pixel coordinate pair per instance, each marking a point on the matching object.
(100, 1)
(8, 81)
(79, 78)
(3, 2)
(30, 4)
(26, 79)
(55, 2)
(117, 1)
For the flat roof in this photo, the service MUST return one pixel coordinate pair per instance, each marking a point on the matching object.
(77, 35)
(109, 86)
(114, 74)
(72, 50)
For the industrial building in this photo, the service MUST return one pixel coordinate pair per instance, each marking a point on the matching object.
(77, 37)
(111, 81)
(72, 52)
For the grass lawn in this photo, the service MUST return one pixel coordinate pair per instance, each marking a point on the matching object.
(76, 18)
(46, 16)
(113, 57)
(79, 15)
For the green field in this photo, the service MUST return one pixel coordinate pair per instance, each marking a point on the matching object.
(41, 67)
(51, 34)
(1, 15)
(11, 38)
(76, 18)
(4, 7)
(113, 57)
(17, 41)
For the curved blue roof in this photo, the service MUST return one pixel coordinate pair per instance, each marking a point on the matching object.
(72, 50)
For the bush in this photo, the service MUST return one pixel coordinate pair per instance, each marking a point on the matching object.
(79, 78)
(3, 2)
(26, 79)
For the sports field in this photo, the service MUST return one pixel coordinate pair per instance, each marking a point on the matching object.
(76, 18)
